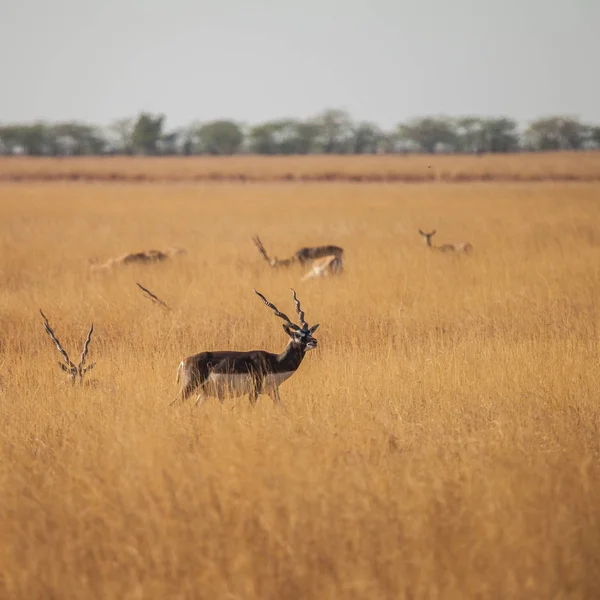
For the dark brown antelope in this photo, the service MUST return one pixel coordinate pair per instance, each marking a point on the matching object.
(231, 373)
(464, 247)
(301, 256)
(142, 257)
(73, 372)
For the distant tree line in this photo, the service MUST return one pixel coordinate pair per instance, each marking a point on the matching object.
(331, 132)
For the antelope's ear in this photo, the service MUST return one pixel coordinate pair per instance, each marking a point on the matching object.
(421, 232)
(63, 367)
(287, 330)
(313, 329)
(433, 232)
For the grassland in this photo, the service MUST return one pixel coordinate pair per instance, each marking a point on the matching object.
(551, 166)
(443, 441)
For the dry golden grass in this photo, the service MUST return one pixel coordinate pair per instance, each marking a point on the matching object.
(443, 441)
(555, 166)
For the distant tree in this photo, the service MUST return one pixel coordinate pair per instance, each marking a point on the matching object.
(366, 138)
(574, 133)
(470, 135)
(594, 135)
(122, 132)
(499, 135)
(9, 139)
(387, 143)
(74, 138)
(216, 137)
(306, 135)
(284, 136)
(34, 139)
(191, 144)
(429, 133)
(172, 142)
(556, 133)
(294, 137)
(147, 132)
(334, 131)
(187, 147)
(263, 138)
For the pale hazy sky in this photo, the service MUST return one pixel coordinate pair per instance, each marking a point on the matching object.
(253, 60)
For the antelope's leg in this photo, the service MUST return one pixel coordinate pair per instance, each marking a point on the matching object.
(274, 393)
(253, 396)
(184, 393)
(200, 399)
(189, 383)
(257, 387)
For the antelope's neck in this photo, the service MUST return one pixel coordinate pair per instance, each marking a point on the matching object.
(283, 262)
(291, 357)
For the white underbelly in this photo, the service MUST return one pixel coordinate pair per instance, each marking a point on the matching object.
(276, 379)
(231, 385)
(228, 386)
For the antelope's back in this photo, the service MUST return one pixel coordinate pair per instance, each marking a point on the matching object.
(306, 254)
(227, 360)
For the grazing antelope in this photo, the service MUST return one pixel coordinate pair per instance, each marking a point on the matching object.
(301, 256)
(231, 373)
(464, 247)
(143, 257)
(73, 372)
(322, 267)
(327, 259)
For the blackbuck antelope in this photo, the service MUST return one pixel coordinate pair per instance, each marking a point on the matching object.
(464, 247)
(327, 260)
(301, 256)
(231, 373)
(142, 257)
(73, 372)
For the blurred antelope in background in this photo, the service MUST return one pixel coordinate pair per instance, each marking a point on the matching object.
(143, 257)
(301, 256)
(464, 247)
(327, 260)
(230, 373)
(73, 372)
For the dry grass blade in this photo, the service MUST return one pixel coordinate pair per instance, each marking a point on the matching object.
(153, 297)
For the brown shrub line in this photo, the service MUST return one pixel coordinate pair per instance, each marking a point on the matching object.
(295, 177)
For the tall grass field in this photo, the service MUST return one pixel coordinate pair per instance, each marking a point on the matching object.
(443, 441)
